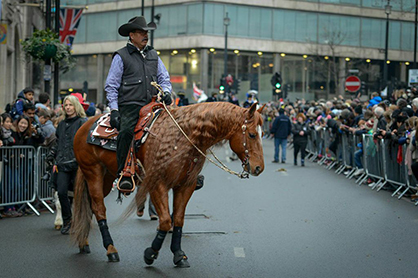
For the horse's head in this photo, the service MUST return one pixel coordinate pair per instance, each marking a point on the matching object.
(246, 141)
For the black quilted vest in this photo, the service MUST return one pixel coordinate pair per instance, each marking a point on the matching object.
(138, 72)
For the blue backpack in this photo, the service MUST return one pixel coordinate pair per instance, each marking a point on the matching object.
(11, 108)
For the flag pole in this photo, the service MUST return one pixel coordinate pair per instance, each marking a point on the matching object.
(56, 65)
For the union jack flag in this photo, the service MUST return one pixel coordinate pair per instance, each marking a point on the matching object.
(69, 20)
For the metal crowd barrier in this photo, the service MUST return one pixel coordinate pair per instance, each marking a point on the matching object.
(373, 161)
(44, 192)
(23, 177)
(380, 159)
(347, 153)
(394, 171)
(18, 176)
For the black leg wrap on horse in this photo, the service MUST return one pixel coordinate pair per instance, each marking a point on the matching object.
(176, 239)
(158, 240)
(104, 229)
(180, 259)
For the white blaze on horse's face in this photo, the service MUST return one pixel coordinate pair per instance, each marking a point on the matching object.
(260, 131)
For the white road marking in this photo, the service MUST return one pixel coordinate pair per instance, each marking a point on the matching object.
(239, 252)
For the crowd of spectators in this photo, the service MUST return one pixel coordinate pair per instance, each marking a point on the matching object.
(28, 122)
(394, 119)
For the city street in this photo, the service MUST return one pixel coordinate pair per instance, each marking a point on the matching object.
(297, 222)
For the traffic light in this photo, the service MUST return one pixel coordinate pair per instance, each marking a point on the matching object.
(237, 85)
(363, 88)
(276, 80)
(222, 86)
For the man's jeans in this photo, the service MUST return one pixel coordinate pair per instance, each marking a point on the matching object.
(358, 155)
(277, 143)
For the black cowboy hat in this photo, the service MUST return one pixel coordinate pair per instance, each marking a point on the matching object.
(136, 23)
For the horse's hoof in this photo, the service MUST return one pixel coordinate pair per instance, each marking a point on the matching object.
(150, 255)
(180, 259)
(113, 257)
(140, 213)
(85, 249)
(58, 227)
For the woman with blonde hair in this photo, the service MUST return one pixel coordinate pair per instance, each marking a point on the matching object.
(73, 117)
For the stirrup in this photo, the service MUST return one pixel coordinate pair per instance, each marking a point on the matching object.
(126, 191)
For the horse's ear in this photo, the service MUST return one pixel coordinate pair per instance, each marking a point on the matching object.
(252, 110)
(259, 110)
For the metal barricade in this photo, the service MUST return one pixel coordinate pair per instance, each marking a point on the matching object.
(394, 171)
(411, 181)
(44, 190)
(18, 176)
(328, 137)
(354, 142)
(347, 154)
(373, 160)
(336, 157)
(310, 148)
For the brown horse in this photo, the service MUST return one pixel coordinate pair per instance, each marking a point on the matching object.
(170, 161)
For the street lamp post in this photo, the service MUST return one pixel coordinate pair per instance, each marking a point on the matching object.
(56, 65)
(152, 20)
(226, 23)
(388, 8)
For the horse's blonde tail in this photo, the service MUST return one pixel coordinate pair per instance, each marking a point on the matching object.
(139, 200)
(82, 212)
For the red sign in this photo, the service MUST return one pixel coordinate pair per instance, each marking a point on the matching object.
(177, 78)
(352, 83)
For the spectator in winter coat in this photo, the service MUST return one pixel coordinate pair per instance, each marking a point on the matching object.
(381, 121)
(7, 138)
(23, 135)
(47, 127)
(358, 114)
(63, 154)
(376, 99)
(281, 129)
(300, 132)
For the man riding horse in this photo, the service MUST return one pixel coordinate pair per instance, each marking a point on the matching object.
(128, 86)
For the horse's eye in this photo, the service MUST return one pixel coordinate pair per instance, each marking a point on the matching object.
(252, 135)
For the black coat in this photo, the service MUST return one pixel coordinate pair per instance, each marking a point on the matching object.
(282, 127)
(63, 149)
(21, 140)
(298, 127)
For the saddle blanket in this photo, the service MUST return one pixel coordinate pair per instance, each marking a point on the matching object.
(101, 134)
(108, 144)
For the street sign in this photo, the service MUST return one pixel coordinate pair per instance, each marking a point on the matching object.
(352, 83)
(413, 77)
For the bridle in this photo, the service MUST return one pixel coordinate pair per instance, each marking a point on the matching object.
(245, 162)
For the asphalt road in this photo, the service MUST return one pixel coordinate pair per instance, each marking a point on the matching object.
(302, 222)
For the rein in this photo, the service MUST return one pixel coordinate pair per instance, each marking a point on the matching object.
(243, 175)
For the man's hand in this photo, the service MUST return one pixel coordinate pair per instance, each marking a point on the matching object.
(301, 133)
(115, 119)
(167, 98)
